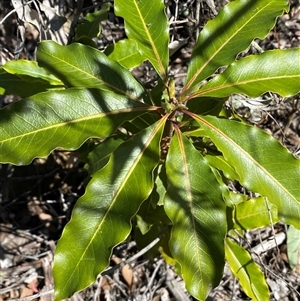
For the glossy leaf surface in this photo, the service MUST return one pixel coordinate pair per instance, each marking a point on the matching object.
(125, 52)
(102, 217)
(147, 24)
(247, 271)
(195, 206)
(259, 161)
(23, 86)
(254, 75)
(33, 127)
(29, 69)
(78, 65)
(229, 33)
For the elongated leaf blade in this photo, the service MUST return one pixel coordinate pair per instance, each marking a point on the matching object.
(261, 162)
(273, 71)
(195, 206)
(33, 127)
(247, 271)
(30, 69)
(231, 32)
(78, 65)
(125, 52)
(147, 24)
(23, 86)
(102, 217)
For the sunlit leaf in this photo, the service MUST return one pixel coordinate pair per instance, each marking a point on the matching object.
(125, 52)
(255, 213)
(293, 247)
(147, 24)
(78, 65)
(229, 33)
(274, 71)
(102, 217)
(33, 127)
(195, 206)
(262, 164)
(247, 271)
(30, 70)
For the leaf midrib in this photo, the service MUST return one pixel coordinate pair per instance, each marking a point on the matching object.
(241, 83)
(194, 77)
(124, 181)
(189, 197)
(241, 150)
(96, 78)
(150, 40)
(77, 120)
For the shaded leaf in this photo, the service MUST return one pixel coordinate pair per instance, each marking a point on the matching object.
(33, 127)
(262, 164)
(100, 155)
(273, 70)
(229, 33)
(126, 53)
(91, 24)
(247, 271)
(78, 65)
(150, 214)
(195, 206)
(147, 24)
(112, 198)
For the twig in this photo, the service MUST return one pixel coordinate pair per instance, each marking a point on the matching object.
(75, 20)
(14, 10)
(35, 296)
(150, 283)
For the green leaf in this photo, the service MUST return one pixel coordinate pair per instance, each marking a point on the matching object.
(195, 206)
(147, 24)
(158, 193)
(293, 246)
(221, 164)
(91, 25)
(229, 33)
(99, 156)
(247, 271)
(78, 65)
(255, 213)
(31, 69)
(33, 127)
(101, 219)
(262, 164)
(273, 70)
(205, 106)
(126, 53)
(24, 87)
(149, 214)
